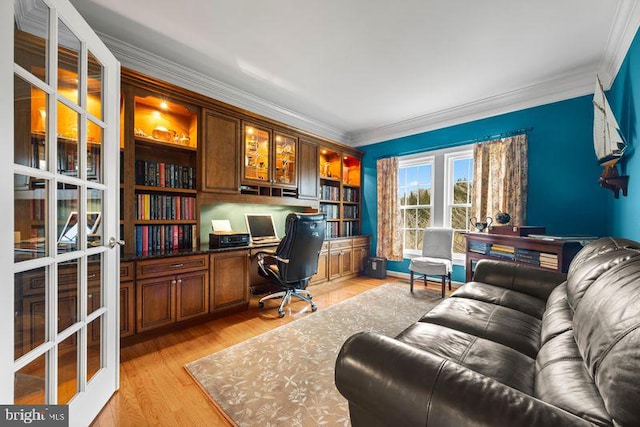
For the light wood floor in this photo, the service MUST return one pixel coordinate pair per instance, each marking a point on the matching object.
(155, 389)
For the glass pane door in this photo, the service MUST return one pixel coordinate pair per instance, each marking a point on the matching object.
(65, 129)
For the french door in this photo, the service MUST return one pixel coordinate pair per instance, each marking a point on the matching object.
(60, 187)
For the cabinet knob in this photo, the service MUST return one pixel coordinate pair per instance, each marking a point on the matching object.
(179, 281)
(173, 282)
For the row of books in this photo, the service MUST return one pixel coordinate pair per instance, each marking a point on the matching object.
(502, 252)
(528, 256)
(158, 174)
(350, 228)
(158, 206)
(332, 211)
(351, 211)
(549, 261)
(329, 192)
(479, 247)
(350, 194)
(331, 230)
(158, 239)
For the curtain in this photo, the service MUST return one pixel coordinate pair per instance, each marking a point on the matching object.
(389, 243)
(500, 179)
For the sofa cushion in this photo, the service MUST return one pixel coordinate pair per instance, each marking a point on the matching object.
(481, 355)
(562, 380)
(501, 296)
(558, 317)
(606, 327)
(583, 275)
(503, 325)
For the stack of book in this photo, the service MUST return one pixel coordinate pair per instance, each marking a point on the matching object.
(479, 247)
(549, 260)
(502, 252)
(528, 256)
(329, 192)
(332, 211)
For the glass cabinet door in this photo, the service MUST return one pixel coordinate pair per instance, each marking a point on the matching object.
(285, 159)
(256, 154)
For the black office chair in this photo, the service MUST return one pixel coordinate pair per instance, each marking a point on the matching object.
(295, 260)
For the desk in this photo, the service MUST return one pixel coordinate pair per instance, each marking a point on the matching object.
(556, 254)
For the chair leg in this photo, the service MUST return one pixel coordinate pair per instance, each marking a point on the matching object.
(449, 280)
(424, 279)
(443, 284)
(411, 280)
(271, 296)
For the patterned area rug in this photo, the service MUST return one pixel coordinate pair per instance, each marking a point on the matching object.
(286, 376)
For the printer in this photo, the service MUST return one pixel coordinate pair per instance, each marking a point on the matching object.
(228, 239)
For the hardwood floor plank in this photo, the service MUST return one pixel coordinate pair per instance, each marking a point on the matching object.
(156, 390)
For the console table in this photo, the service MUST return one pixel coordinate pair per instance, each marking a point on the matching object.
(552, 255)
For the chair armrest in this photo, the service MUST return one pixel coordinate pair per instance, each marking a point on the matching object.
(388, 382)
(529, 280)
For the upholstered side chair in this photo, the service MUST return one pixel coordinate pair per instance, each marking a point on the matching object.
(437, 256)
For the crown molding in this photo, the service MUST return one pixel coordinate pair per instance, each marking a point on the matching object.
(569, 86)
(623, 30)
(154, 65)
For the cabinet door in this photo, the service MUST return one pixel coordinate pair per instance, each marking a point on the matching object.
(229, 279)
(285, 154)
(359, 258)
(220, 153)
(308, 170)
(334, 264)
(346, 262)
(155, 299)
(256, 150)
(323, 268)
(127, 326)
(192, 295)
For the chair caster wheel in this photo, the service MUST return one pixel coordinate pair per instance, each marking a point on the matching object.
(314, 307)
(280, 313)
(260, 304)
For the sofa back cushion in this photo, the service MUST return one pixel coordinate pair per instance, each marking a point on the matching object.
(606, 328)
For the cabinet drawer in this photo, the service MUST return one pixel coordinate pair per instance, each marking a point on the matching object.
(173, 265)
(360, 241)
(126, 271)
(340, 244)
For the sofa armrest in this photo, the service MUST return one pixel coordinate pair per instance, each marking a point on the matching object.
(529, 280)
(388, 382)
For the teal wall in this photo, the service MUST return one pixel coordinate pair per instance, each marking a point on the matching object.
(624, 98)
(563, 192)
(234, 212)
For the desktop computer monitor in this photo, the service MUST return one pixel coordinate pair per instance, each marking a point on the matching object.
(261, 227)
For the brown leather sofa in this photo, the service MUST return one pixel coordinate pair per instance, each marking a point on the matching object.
(517, 346)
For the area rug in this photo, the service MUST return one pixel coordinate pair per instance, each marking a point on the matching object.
(286, 376)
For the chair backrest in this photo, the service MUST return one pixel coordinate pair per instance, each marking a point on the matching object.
(301, 245)
(438, 243)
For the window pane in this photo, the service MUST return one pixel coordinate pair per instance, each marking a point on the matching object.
(30, 125)
(31, 33)
(94, 86)
(412, 195)
(68, 63)
(403, 196)
(68, 229)
(30, 218)
(410, 239)
(94, 348)
(94, 283)
(424, 175)
(68, 286)
(411, 218)
(29, 383)
(424, 218)
(30, 310)
(94, 217)
(461, 192)
(94, 151)
(459, 218)
(68, 125)
(459, 242)
(68, 369)
(424, 196)
(402, 177)
(419, 239)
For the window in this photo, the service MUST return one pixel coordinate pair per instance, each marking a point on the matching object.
(435, 190)
(459, 181)
(415, 187)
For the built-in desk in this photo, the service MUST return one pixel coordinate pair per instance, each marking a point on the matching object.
(167, 289)
(555, 255)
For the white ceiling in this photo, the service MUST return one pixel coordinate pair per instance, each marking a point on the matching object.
(362, 71)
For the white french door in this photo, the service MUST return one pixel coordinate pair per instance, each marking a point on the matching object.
(60, 186)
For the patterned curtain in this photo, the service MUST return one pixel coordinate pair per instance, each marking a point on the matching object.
(389, 221)
(500, 179)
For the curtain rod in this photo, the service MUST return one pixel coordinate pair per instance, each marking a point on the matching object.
(506, 134)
